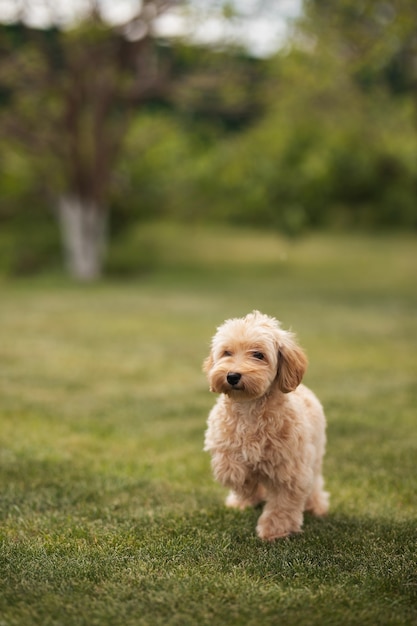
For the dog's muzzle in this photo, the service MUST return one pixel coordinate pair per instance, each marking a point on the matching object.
(233, 378)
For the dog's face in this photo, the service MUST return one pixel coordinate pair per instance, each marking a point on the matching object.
(250, 354)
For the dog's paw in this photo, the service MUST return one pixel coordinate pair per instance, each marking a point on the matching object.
(318, 503)
(240, 501)
(273, 526)
(233, 501)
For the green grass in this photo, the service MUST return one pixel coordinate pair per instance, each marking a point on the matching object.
(109, 514)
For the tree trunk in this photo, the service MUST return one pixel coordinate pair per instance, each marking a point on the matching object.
(84, 233)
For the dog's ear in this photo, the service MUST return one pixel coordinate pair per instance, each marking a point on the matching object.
(208, 363)
(292, 363)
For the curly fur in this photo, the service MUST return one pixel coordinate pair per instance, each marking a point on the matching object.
(266, 432)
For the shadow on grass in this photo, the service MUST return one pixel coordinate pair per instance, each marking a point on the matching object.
(127, 550)
(337, 564)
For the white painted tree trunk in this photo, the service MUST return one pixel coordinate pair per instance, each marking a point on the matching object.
(84, 234)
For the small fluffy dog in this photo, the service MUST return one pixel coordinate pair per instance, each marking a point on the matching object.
(266, 432)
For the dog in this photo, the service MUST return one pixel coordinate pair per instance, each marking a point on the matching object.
(267, 432)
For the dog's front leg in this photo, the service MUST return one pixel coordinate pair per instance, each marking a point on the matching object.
(282, 514)
(251, 496)
(230, 471)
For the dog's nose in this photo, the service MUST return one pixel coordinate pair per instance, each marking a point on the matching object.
(233, 378)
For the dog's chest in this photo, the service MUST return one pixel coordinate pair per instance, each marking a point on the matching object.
(253, 442)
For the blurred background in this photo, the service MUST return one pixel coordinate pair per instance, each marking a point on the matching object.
(164, 166)
(128, 126)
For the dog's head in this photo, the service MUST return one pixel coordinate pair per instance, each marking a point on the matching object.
(250, 354)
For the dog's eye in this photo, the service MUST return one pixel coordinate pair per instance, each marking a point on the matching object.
(227, 353)
(258, 355)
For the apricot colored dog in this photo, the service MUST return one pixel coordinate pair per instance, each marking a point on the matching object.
(266, 432)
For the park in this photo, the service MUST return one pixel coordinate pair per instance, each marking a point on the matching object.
(296, 198)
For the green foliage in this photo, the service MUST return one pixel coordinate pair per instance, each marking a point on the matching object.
(29, 238)
(328, 150)
(156, 171)
(109, 514)
(325, 154)
(223, 88)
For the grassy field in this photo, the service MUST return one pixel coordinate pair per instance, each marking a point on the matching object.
(109, 514)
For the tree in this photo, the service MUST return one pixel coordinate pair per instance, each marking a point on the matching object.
(376, 40)
(375, 45)
(67, 97)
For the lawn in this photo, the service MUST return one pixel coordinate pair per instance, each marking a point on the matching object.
(109, 514)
